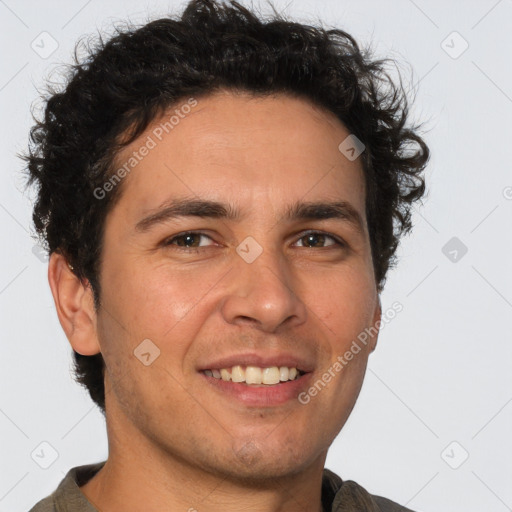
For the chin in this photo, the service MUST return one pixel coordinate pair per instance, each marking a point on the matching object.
(255, 463)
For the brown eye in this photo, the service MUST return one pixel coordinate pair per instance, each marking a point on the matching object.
(187, 240)
(318, 239)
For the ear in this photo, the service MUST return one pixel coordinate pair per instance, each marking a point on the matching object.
(74, 303)
(376, 323)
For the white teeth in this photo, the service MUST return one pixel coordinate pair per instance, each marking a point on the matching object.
(237, 374)
(255, 375)
(270, 375)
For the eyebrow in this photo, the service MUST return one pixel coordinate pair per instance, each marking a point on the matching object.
(319, 210)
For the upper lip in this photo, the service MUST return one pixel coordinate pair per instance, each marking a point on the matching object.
(260, 360)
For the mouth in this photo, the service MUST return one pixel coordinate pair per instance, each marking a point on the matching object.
(257, 386)
(255, 375)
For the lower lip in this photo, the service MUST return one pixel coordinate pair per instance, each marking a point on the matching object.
(264, 395)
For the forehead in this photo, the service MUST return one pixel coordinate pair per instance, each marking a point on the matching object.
(251, 151)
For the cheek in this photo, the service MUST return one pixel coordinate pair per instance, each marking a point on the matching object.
(154, 299)
(168, 306)
(345, 300)
(158, 304)
(348, 302)
(173, 299)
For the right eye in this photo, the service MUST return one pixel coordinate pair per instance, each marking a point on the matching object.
(187, 240)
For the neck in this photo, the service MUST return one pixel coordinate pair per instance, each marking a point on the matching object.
(144, 485)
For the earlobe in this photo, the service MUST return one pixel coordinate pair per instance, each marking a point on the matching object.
(376, 323)
(74, 303)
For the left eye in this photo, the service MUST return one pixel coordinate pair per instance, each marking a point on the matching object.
(314, 237)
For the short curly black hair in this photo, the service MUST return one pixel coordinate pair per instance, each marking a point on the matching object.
(121, 85)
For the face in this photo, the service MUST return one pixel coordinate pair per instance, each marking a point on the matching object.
(215, 257)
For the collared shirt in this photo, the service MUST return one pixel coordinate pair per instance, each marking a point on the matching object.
(337, 495)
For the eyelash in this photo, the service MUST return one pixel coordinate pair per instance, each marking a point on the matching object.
(168, 242)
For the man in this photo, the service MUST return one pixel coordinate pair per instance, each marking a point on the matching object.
(221, 198)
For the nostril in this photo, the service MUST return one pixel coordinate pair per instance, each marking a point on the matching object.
(248, 320)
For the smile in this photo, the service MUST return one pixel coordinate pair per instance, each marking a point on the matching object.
(255, 375)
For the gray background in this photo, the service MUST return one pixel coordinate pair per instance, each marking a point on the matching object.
(438, 387)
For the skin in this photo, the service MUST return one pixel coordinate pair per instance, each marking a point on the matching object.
(176, 443)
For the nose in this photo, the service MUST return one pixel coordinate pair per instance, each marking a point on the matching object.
(262, 294)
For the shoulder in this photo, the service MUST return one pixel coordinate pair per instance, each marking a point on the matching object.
(350, 496)
(67, 497)
(386, 505)
(45, 505)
